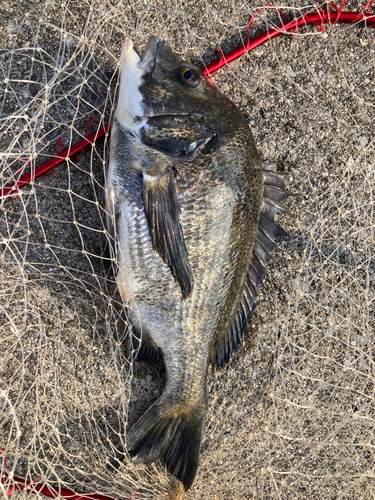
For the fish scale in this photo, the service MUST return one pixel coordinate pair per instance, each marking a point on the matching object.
(193, 211)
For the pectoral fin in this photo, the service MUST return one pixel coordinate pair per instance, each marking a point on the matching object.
(162, 211)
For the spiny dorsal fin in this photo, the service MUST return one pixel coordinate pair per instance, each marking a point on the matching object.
(268, 231)
(162, 211)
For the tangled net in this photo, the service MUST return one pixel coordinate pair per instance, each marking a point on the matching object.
(292, 415)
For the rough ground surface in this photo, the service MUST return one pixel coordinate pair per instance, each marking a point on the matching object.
(292, 415)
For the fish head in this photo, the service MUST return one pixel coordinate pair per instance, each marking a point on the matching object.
(170, 105)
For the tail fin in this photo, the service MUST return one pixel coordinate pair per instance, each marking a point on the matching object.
(171, 432)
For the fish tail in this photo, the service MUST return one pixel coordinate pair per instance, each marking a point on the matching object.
(170, 431)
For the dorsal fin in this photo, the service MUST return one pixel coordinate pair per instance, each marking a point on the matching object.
(268, 231)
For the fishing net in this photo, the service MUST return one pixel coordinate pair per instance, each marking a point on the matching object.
(292, 414)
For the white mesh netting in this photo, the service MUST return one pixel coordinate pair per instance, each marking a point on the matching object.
(292, 415)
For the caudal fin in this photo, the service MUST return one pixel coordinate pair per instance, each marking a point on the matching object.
(173, 433)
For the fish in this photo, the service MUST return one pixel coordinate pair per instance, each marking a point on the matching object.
(191, 216)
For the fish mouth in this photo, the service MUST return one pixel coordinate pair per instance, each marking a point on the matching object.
(147, 62)
(133, 68)
(127, 47)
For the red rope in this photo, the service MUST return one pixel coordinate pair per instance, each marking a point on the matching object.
(48, 167)
(50, 491)
(323, 15)
(319, 18)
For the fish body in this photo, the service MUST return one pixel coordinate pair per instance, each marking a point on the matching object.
(185, 197)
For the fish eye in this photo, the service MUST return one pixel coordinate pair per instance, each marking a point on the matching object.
(189, 78)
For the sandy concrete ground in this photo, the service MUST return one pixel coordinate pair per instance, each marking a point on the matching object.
(292, 415)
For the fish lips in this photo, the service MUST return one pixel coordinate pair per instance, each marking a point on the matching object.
(157, 59)
(157, 63)
(147, 62)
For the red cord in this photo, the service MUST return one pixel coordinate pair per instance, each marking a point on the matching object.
(318, 18)
(45, 168)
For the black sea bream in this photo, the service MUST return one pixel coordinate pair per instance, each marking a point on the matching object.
(191, 208)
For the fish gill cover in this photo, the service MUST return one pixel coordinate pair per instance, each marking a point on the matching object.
(292, 415)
